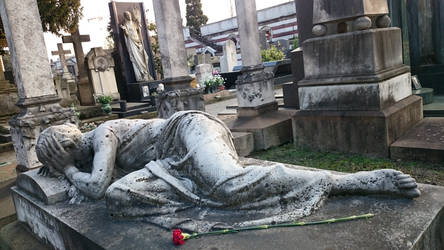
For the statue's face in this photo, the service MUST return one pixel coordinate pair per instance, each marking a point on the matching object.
(127, 15)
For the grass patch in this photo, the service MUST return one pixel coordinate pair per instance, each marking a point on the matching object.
(428, 173)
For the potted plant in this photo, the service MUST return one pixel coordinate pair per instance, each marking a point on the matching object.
(214, 84)
(106, 103)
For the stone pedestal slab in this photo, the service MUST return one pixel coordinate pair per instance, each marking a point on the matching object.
(362, 96)
(424, 142)
(363, 132)
(255, 87)
(173, 101)
(398, 224)
(269, 129)
(369, 55)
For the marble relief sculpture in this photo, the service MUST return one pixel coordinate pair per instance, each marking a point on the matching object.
(185, 172)
(134, 42)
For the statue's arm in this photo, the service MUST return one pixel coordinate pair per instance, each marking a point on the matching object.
(94, 184)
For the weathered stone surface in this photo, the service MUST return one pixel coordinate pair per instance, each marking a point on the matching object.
(229, 60)
(203, 72)
(173, 101)
(424, 142)
(305, 19)
(370, 96)
(326, 11)
(353, 57)
(248, 32)
(269, 129)
(398, 224)
(49, 190)
(244, 143)
(291, 95)
(364, 132)
(255, 87)
(171, 39)
(27, 46)
(427, 95)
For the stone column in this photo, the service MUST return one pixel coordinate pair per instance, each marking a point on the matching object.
(255, 87)
(38, 100)
(178, 93)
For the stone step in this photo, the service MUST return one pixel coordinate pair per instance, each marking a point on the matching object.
(5, 138)
(4, 129)
(424, 142)
(244, 143)
(6, 147)
(16, 236)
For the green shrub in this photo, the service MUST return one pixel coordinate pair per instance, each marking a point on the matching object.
(104, 99)
(272, 54)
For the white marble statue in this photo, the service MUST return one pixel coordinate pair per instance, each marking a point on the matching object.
(189, 161)
(134, 43)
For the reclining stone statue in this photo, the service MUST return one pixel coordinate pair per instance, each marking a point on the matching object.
(188, 161)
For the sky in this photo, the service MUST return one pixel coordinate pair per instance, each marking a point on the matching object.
(96, 17)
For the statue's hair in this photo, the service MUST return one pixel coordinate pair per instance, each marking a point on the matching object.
(47, 137)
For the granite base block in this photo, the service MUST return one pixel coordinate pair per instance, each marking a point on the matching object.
(269, 129)
(398, 224)
(244, 143)
(362, 132)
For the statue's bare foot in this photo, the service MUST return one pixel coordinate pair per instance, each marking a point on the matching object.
(398, 183)
(386, 181)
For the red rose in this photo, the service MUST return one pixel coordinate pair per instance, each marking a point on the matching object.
(178, 237)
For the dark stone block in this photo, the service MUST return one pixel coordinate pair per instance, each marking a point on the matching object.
(362, 132)
(304, 13)
(291, 95)
(362, 54)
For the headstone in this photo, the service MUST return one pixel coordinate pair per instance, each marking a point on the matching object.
(265, 37)
(203, 72)
(283, 45)
(202, 59)
(65, 84)
(101, 73)
(84, 86)
(357, 69)
(38, 100)
(178, 94)
(229, 59)
(130, 87)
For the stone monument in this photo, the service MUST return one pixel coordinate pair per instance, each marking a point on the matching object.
(84, 86)
(186, 174)
(134, 60)
(229, 59)
(65, 84)
(178, 94)
(101, 73)
(38, 101)
(258, 110)
(203, 72)
(356, 95)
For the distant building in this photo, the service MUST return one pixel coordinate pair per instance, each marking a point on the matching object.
(56, 66)
(281, 19)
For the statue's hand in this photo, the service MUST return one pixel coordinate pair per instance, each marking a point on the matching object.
(44, 171)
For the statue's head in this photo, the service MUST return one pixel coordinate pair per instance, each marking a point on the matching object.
(127, 15)
(66, 136)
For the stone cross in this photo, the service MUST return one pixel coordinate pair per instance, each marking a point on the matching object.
(85, 88)
(38, 99)
(61, 53)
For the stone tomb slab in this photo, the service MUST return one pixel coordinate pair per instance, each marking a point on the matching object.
(424, 142)
(398, 224)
